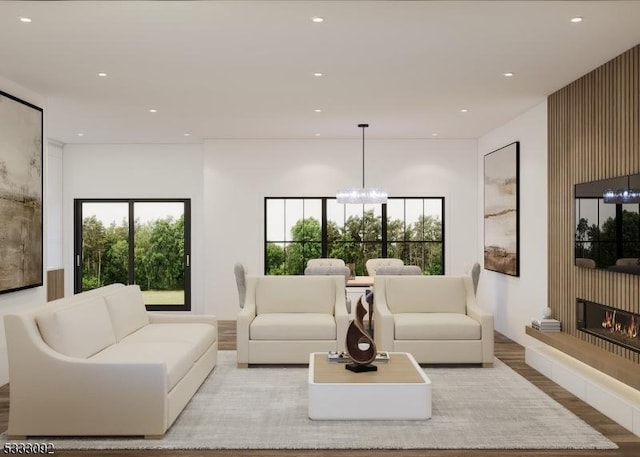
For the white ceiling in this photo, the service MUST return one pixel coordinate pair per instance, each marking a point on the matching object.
(244, 69)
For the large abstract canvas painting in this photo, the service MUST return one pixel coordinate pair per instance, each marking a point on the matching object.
(501, 218)
(20, 194)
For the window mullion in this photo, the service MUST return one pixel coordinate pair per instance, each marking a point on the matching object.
(132, 274)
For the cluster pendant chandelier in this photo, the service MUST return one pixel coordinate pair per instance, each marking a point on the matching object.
(362, 195)
(621, 196)
(627, 195)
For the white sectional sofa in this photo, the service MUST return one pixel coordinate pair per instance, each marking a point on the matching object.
(285, 318)
(435, 318)
(98, 363)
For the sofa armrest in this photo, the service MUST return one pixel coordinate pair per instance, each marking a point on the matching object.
(485, 320)
(383, 319)
(245, 317)
(483, 317)
(163, 318)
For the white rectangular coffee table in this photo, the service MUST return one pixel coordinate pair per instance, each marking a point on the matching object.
(399, 390)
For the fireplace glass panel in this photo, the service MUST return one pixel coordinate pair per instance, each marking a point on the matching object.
(617, 326)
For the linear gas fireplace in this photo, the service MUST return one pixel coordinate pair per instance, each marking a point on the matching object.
(620, 327)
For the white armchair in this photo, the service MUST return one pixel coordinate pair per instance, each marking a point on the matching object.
(331, 267)
(285, 318)
(435, 318)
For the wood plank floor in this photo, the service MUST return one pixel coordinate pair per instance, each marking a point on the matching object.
(506, 350)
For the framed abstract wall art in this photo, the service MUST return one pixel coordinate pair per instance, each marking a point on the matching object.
(501, 212)
(21, 244)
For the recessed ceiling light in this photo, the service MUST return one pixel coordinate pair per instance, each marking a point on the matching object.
(80, 134)
(318, 74)
(317, 110)
(187, 134)
(576, 19)
(434, 134)
(464, 110)
(102, 74)
(317, 134)
(317, 19)
(508, 74)
(25, 19)
(153, 110)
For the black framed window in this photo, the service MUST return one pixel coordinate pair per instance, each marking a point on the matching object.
(135, 241)
(299, 229)
(415, 232)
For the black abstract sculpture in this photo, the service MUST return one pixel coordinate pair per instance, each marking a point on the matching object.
(357, 335)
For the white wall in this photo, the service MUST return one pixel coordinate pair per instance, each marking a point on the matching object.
(135, 171)
(54, 206)
(514, 301)
(29, 298)
(238, 174)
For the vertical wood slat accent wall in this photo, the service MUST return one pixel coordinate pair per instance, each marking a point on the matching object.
(55, 284)
(593, 133)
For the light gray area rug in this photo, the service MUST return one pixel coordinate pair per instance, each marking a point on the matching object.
(266, 408)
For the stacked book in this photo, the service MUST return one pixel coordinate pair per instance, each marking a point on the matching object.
(546, 325)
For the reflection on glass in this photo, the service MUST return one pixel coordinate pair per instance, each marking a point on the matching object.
(414, 219)
(105, 245)
(335, 213)
(607, 220)
(372, 223)
(275, 220)
(395, 219)
(159, 256)
(631, 231)
(312, 217)
(607, 235)
(294, 211)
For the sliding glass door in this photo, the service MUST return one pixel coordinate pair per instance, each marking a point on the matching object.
(141, 241)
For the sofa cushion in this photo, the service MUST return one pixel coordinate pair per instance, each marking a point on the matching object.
(127, 310)
(436, 326)
(78, 330)
(178, 357)
(425, 294)
(293, 326)
(299, 294)
(201, 336)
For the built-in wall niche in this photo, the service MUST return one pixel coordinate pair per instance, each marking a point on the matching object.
(607, 235)
(615, 325)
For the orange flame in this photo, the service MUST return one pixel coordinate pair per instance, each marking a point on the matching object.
(632, 330)
(610, 322)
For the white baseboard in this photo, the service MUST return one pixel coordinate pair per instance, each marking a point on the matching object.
(611, 397)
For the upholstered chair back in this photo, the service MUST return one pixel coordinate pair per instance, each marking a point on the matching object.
(328, 270)
(475, 276)
(241, 282)
(585, 263)
(331, 271)
(423, 294)
(628, 261)
(295, 294)
(324, 262)
(401, 270)
(372, 265)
